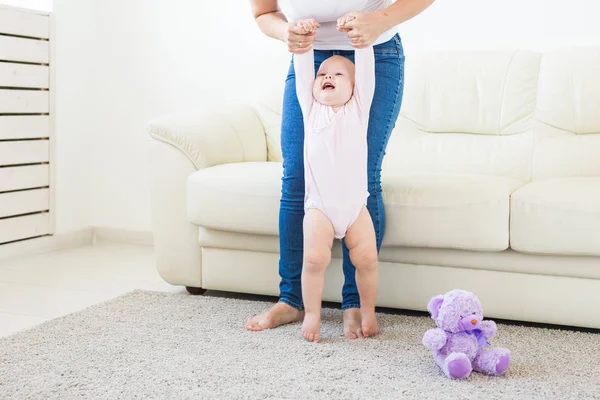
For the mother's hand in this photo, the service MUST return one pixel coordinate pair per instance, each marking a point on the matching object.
(362, 28)
(300, 35)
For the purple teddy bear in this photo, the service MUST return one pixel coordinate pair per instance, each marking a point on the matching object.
(460, 344)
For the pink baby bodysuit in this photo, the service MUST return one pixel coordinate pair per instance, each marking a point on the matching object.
(335, 143)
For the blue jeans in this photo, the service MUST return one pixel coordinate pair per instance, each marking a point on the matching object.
(389, 85)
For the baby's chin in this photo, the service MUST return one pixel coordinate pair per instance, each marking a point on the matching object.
(332, 100)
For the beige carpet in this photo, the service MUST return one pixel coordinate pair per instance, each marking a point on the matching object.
(175, 346)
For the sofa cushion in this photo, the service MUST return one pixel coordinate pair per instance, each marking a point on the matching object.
(241, 197)
(446, 211)
(469, 212)
(557, 216)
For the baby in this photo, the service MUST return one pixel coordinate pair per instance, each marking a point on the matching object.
(335, 106)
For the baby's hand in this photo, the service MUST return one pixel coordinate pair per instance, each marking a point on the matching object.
(309, 25)
(343, 20)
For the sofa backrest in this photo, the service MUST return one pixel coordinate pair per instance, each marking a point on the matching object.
(512, 113)
(467, 112)
(567, 129)
(268, 108)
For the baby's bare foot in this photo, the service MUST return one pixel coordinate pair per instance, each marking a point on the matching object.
(279, 314)
(352, 329)
(369, 324)
(311, 327)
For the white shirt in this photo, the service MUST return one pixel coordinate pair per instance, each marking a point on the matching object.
(326, 12)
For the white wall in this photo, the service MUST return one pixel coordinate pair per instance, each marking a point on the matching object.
(160, 56)
(125, 62)
(531, 24)
(72, 64)
(40, 5)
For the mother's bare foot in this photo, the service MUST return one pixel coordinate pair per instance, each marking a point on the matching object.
(311, 327)
(352, 328)
(369, 324)
(279, 314)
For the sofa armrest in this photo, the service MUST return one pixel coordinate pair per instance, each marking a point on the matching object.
(180, 145)
(212, 138)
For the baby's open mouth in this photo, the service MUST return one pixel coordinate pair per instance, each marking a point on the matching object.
(328, 86)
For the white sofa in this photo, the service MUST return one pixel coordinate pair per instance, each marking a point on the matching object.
(491, 184)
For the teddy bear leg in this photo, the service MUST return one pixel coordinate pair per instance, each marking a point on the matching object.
(455, 365)
(492, 361)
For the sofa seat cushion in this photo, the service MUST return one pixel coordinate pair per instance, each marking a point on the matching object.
(469, 212)
(240, 197)
(557, 216)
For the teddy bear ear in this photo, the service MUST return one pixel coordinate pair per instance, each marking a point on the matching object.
(434, 305)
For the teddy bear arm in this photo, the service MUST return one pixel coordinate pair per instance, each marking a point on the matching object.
(434, 339)
(488, 328)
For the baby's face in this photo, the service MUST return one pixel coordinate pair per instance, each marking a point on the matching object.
(334, 83)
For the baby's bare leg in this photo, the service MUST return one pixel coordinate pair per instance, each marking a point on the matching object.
(362, 245)
(318, 240)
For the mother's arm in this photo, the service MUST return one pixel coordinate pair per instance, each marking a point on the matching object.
(403, 10)
(366, 27)
(273, 23)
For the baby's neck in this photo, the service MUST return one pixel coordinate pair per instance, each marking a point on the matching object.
(335, 108)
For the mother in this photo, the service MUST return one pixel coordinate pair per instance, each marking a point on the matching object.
(374, 24)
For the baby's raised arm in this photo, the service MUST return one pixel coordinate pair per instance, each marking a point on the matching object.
(304, 68)
(364, 77)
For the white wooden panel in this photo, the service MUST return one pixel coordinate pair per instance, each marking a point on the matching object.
(25, 50)
(24, 75)
(18, 228)
(23, 23)
(24, 126)
(26, 202)
(24, 152)
(17, 178)
(23, 101)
